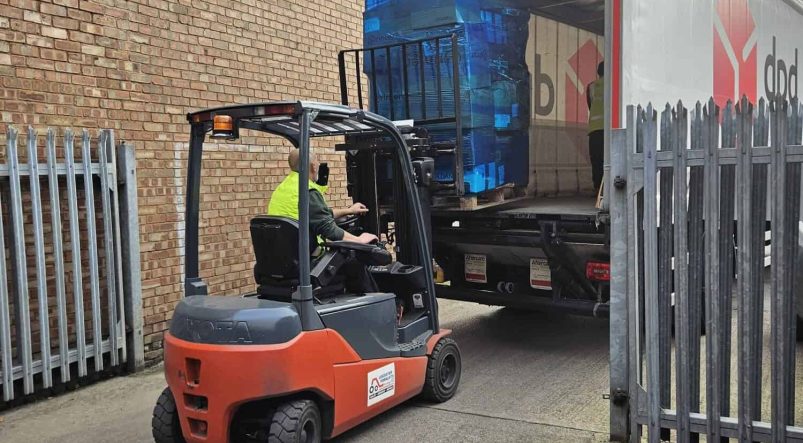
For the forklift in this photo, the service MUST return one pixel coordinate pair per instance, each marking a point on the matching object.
(302, 359)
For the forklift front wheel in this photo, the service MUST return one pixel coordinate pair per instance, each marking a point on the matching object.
(297, 421)
(443, 371)
(165, 424)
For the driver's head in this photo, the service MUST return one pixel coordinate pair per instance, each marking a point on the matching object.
(294, 160)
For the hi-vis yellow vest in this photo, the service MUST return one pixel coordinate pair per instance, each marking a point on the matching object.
(596, 115)
(284, 201)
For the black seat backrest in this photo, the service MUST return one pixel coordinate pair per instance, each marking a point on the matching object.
(275, 241)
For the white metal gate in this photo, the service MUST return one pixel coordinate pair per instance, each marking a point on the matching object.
(64, 296)
(689, 211)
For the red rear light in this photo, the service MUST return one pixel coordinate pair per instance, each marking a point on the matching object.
(281, 109)
(598, 271)
(288, 109)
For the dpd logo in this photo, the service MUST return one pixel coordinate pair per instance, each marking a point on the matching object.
(582, 73)
(780, 76)
(735, 52)
(579, 70)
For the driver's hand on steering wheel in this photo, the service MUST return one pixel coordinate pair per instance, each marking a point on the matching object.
(367, 238)
(358, 209)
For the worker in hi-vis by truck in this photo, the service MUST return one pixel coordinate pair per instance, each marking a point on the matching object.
(595, 96)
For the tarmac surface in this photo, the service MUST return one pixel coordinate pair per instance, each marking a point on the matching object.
(527, 377)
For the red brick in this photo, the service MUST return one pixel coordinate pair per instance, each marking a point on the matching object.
(67, 45)
(67, 3)
(65, 23)
(49, 31)
(91, 7)
(32, 16)
(90, 28)
(40, 41)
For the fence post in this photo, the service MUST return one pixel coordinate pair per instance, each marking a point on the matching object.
(619, 350)
(129, 234)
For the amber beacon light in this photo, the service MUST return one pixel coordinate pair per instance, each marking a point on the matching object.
(223, 127)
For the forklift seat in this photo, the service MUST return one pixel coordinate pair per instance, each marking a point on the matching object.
(275, 243)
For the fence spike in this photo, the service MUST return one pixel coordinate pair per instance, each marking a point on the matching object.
(92, 244)
(666, 128)
(728, 126)
(746, 103)
(23, 320)
(58, 255)
(108, 246)
(5, 297)
(75, 249)
(687, 212)
(650, 277)
(797, 122)
(39, 251)
(713, 297)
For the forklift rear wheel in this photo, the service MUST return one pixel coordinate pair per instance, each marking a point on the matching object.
(298, 421)
(443, 371)
(165, 424)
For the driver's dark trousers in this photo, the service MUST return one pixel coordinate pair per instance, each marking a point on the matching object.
(358, 278)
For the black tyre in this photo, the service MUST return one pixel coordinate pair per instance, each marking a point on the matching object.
(297, 421)
(165, 424)
(443, 371)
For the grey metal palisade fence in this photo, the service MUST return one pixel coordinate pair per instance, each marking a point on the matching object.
(71, 332)
(689, 212)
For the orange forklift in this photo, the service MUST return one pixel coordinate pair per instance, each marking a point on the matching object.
(301, 359)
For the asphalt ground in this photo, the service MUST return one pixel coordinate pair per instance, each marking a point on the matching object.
(527, 377)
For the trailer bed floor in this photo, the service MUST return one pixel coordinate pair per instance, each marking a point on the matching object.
(528, 207)
(575, 205)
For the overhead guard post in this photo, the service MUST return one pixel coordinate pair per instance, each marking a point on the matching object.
(302, 298)
(193, 285)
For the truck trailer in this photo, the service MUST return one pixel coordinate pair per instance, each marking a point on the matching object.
(495, 94)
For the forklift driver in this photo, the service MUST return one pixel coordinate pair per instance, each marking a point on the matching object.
(284, 203)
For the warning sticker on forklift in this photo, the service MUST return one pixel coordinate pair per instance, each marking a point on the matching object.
(476, 268)
(540, 276)
(381, 383)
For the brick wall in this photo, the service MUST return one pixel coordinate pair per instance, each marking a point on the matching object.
(138, 66)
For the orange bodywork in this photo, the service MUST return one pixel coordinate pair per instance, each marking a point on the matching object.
(322, 362)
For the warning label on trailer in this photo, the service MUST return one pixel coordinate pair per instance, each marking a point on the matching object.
(381, 383)
(476, 268)
(540, 276)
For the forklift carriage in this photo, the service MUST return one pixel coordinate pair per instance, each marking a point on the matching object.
(301, 359)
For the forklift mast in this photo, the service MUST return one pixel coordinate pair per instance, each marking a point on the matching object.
(412, 101)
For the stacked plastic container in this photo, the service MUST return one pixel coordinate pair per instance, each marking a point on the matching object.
(493, 78)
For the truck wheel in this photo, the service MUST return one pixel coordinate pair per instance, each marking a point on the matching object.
(297, 421)
(165, 424)
(443, 371)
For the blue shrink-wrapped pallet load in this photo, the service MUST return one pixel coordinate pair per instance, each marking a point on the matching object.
(494, 81)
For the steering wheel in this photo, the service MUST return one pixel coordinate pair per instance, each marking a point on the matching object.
(350, 223)
(346, 220)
